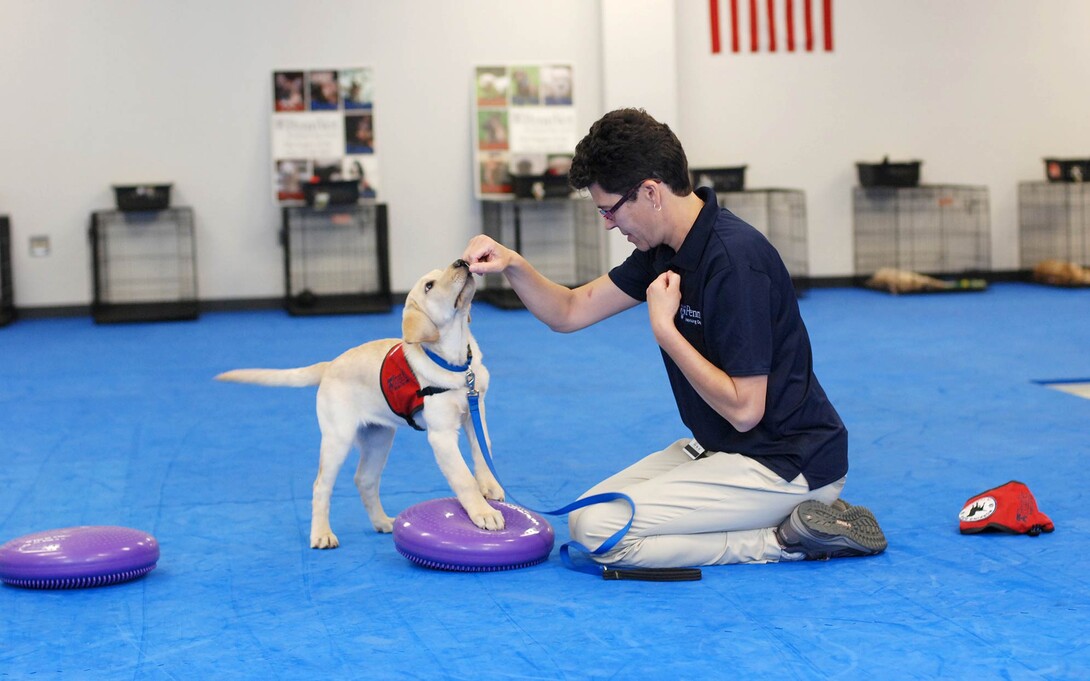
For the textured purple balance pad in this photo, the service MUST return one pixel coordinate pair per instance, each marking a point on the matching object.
(75, 557)
(439, 534)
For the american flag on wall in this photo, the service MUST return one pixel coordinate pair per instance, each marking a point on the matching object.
(771, 25)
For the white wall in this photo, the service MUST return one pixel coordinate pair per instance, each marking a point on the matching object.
(979, 90)
(102, 91)
(639, 69)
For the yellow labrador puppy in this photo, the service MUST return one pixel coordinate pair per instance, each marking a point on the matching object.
(1061, 273)
(905, 281)
(365, 394)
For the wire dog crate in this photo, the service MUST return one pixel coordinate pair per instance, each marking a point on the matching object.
(7, 297)
(931, 229)
(144, 265)
(1054, 222)
(336, 259)
(779, 214)
(562, 237)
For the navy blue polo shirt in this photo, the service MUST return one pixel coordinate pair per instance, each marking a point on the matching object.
(738, 309)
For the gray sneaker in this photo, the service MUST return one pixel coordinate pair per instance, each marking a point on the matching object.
(820, 531)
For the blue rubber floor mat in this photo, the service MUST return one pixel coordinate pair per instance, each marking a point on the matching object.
(123, 425)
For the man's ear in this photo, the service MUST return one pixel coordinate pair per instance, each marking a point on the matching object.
(417, 327)
(655, 191)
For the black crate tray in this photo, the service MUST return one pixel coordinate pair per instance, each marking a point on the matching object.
(503, 298)
(109, 313)
(306, 303)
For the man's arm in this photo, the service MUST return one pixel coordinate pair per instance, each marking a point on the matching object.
(561, 308)
(741, 400)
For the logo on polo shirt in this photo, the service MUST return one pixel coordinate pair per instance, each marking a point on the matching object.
(689, 315)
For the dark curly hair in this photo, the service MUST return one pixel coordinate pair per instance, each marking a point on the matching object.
(626, 146)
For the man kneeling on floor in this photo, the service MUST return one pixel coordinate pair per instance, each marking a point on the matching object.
(760, 478)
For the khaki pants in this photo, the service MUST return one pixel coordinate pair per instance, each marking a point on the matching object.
(719, 509)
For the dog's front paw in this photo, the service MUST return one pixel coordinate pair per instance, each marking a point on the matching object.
(490, 488)
(325, 540)
(384, 524)
(488, 520)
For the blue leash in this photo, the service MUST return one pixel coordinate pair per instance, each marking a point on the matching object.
(565, 549)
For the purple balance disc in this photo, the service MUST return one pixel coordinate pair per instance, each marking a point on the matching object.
(439, 534)
(75, 557)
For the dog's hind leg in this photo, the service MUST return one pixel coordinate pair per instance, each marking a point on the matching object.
(374, 443)
(335, 449)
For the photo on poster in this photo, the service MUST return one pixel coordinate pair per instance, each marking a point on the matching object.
(288, 91)
(290, 174)
(324, 93)
(363, 169)
(492, 133)
(556, 85)
(359, 133)
(492, 84)
(527, 164)
(325, 170)
(494, 176)
(525, 85)
(356, 88)
(558, 164)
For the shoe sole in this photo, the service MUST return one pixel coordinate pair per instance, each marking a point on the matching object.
(840, 505)
(854, 529)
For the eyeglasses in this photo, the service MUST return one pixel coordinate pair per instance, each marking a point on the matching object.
(628, 196)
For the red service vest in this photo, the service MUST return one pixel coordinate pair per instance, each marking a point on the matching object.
(400, 387)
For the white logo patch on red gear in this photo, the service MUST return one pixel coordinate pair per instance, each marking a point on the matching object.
(978, 509)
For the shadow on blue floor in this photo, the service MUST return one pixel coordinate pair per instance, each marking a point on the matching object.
(123, 425)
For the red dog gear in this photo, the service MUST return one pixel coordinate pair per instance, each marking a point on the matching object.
(1007, 508)
(400, 387)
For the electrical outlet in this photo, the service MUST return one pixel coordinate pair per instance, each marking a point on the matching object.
(39, 246)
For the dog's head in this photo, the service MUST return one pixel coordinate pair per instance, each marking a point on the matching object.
(439, 298)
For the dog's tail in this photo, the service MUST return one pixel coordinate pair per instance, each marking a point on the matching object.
(290, 378)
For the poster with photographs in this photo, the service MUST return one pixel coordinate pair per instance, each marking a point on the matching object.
(524, 125)
(323, 130)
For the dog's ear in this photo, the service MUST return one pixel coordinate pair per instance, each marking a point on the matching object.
(417, 327)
